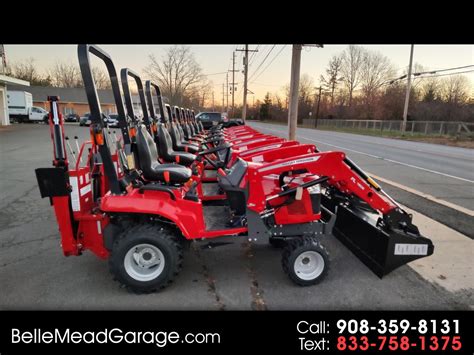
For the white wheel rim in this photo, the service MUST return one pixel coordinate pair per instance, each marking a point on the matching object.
(309, 265)
(144, 262)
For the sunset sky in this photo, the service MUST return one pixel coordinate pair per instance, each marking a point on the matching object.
(217, 59)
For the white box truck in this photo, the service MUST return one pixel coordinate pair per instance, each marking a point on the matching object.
(21, 109)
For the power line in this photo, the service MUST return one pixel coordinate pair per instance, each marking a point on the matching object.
(253, 55)
(263, 49)
(456, 73)
(390, 82)
(263, 61)
(443, 70)
(239, 59)
(281, 50)
(417, 75)
(215, 73)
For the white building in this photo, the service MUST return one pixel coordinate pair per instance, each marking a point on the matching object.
(4, 81)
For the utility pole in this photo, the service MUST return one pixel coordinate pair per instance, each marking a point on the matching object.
(213, 109)
(407, 96)
(233, 82)
(317, 108)
(246, 69)
(294, 88)
(223, 91)
(227, 92)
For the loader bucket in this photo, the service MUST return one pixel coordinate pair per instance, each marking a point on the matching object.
(381, 248)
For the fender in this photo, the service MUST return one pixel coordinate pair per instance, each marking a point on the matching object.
(280, 153)
(186, 214)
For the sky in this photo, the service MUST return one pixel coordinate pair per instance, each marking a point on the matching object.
(272, 75)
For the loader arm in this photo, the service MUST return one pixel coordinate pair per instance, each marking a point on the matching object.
(382, 237)
(331, 164)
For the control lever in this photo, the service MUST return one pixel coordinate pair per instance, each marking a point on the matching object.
(302, 186)
(70, 149)
(77, 146)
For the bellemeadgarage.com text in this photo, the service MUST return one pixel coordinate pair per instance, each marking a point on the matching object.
(111, 336)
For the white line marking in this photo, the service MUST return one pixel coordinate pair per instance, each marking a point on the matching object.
(424, 195)
(382, 158)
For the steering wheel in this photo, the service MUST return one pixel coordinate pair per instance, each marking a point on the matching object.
(215, 149)
(213, 139)
(225, 146)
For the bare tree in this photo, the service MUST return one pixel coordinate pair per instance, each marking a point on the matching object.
(430, 89)
(102, 80)
(178, 73)
(26, 70)
(376, 69)
(456, 89)
(286, 92)
(352, 60)
(332, 77)
(306, 88)
(65, 75)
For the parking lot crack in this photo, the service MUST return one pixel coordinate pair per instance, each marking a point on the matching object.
(258, 303)
(48, 237)
(25, 258)
(211, 282)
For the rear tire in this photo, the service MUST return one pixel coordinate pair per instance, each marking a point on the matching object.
(146, 258)
(305, 261)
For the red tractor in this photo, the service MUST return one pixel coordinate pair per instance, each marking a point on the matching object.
(137, 201)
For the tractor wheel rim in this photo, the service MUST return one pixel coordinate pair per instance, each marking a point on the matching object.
(309, 265)
(144, 262)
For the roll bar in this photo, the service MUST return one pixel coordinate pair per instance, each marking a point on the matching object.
(151, 106)
(97, 123)
(125, 73)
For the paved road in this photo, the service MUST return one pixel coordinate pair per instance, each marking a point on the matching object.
(441, 171)
(444, 172)
(35, 275)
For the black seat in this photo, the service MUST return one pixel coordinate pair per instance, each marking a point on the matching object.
(177, 139)
(201, 126)
(151, 167)
(197, 128)
(236, 195)
(165, 146)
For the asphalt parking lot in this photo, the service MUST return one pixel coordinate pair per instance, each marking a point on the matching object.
(35, 275)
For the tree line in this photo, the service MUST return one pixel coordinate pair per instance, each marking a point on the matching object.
(177, 72)
(61, 74)
(360, 83)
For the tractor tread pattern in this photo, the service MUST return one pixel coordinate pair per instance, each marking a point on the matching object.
(166, 233)
(297, 243)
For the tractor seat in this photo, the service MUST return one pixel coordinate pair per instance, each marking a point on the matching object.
(165, 146)
(230, 183)
(151, 167)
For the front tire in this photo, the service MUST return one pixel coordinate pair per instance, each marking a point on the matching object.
(146, 258)
(305, 261)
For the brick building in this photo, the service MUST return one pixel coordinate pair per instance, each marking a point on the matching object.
(72, 100)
